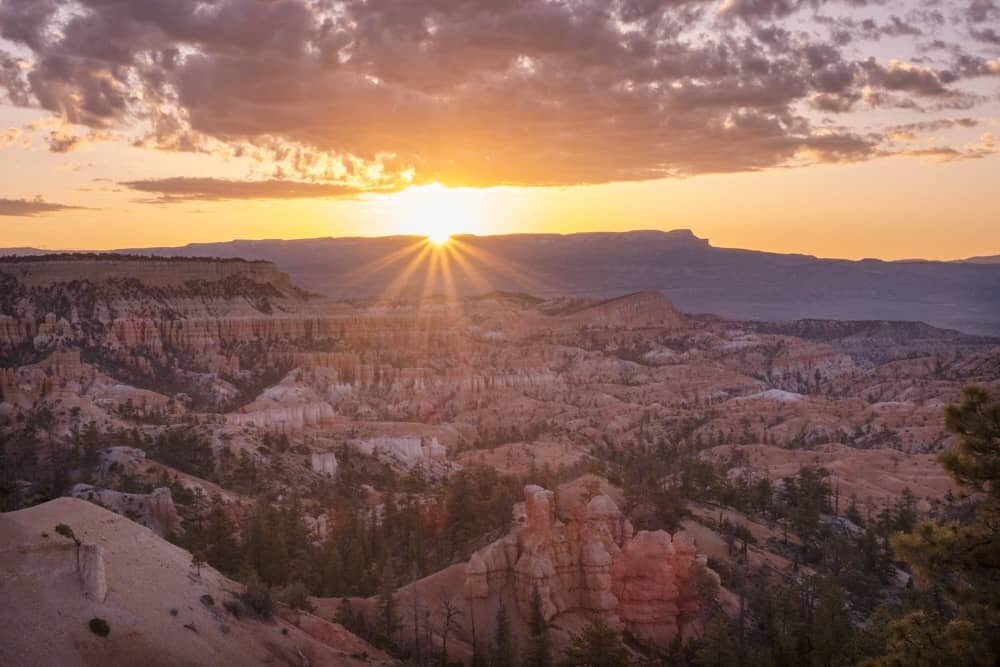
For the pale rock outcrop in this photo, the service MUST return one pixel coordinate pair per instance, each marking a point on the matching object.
(406, 452)
(646, 583)
(155, 510)
(325, 463)
(93, 578)
(285, 418)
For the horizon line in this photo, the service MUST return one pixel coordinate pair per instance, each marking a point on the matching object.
(14, 251)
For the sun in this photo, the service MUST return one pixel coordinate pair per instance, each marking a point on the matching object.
(435, 212)
(439, 238)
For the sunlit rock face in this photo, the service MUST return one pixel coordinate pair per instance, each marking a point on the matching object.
(595, 565)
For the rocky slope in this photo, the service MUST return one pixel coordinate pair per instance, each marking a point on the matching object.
(160, 611)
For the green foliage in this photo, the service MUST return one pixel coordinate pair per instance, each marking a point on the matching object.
(67, 532)
(185, 449)
(975, 462)
(296, 596)
(718, 647)
(257, 597)
(346, 616)
(959, 558)
(478, 501)
(99, 627)
(197, 561)
(539, 653)
(502, 649)
(597, 645)
(387, 608)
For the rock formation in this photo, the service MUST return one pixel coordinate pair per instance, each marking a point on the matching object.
(155, 510)
(406, 452)
(646, 583)
(93, 578)
(325, 463)
(285, 418)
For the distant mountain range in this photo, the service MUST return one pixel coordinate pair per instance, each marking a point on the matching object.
(695, 276)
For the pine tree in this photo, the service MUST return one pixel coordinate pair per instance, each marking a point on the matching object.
(961, 559)
(387, 625)
(540, 648)
(502, 650)
(345, 615)
(330, 571)
(221, 549)
(718, 647)
(597, 645)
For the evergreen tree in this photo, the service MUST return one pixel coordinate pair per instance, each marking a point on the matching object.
(387, 623)
(220, 547)
(718, 647)
(345, 615)
(266, 548)
(540, 648)
(597, 645)
(962, 559)
(502, 650)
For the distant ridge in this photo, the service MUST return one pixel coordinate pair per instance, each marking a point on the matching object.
(694, 275)
(984, 259)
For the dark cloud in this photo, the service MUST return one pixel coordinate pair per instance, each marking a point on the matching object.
(27, 208)
(905, 77)
(475, 92)
(982, 10)
(988, 35)
(213, 189)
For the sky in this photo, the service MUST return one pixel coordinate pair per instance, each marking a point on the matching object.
(839, 128)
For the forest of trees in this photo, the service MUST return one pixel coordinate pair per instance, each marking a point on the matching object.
(875, 587)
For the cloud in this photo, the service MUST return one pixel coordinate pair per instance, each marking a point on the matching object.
(477, 92)
(28, 208)
(180, 189)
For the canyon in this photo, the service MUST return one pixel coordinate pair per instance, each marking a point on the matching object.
(185, 389)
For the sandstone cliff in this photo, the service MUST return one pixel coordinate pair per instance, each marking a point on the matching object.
(647, 583)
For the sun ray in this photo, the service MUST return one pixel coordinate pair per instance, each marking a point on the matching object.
(398, 285)
(525, 279)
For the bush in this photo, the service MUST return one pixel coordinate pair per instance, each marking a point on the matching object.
(99, 627)
(258, 598)
(234, 607)
(207, 600)
(296, 596)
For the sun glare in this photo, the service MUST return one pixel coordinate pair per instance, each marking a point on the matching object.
(435, 212)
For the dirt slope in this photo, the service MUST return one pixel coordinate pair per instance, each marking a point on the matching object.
(153, 605)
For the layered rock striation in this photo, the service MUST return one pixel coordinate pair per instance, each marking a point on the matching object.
(593, 564)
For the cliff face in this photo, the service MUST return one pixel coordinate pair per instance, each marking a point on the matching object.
(148, 271)
(595, 565)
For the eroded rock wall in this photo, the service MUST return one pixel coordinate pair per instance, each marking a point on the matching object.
(595, 565)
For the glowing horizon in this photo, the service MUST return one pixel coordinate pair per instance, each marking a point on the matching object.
(833, 129)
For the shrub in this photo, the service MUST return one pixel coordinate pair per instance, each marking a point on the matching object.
(99, 627)
(258, 598)
(296, 596)
(207, 600)
(234, 607)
